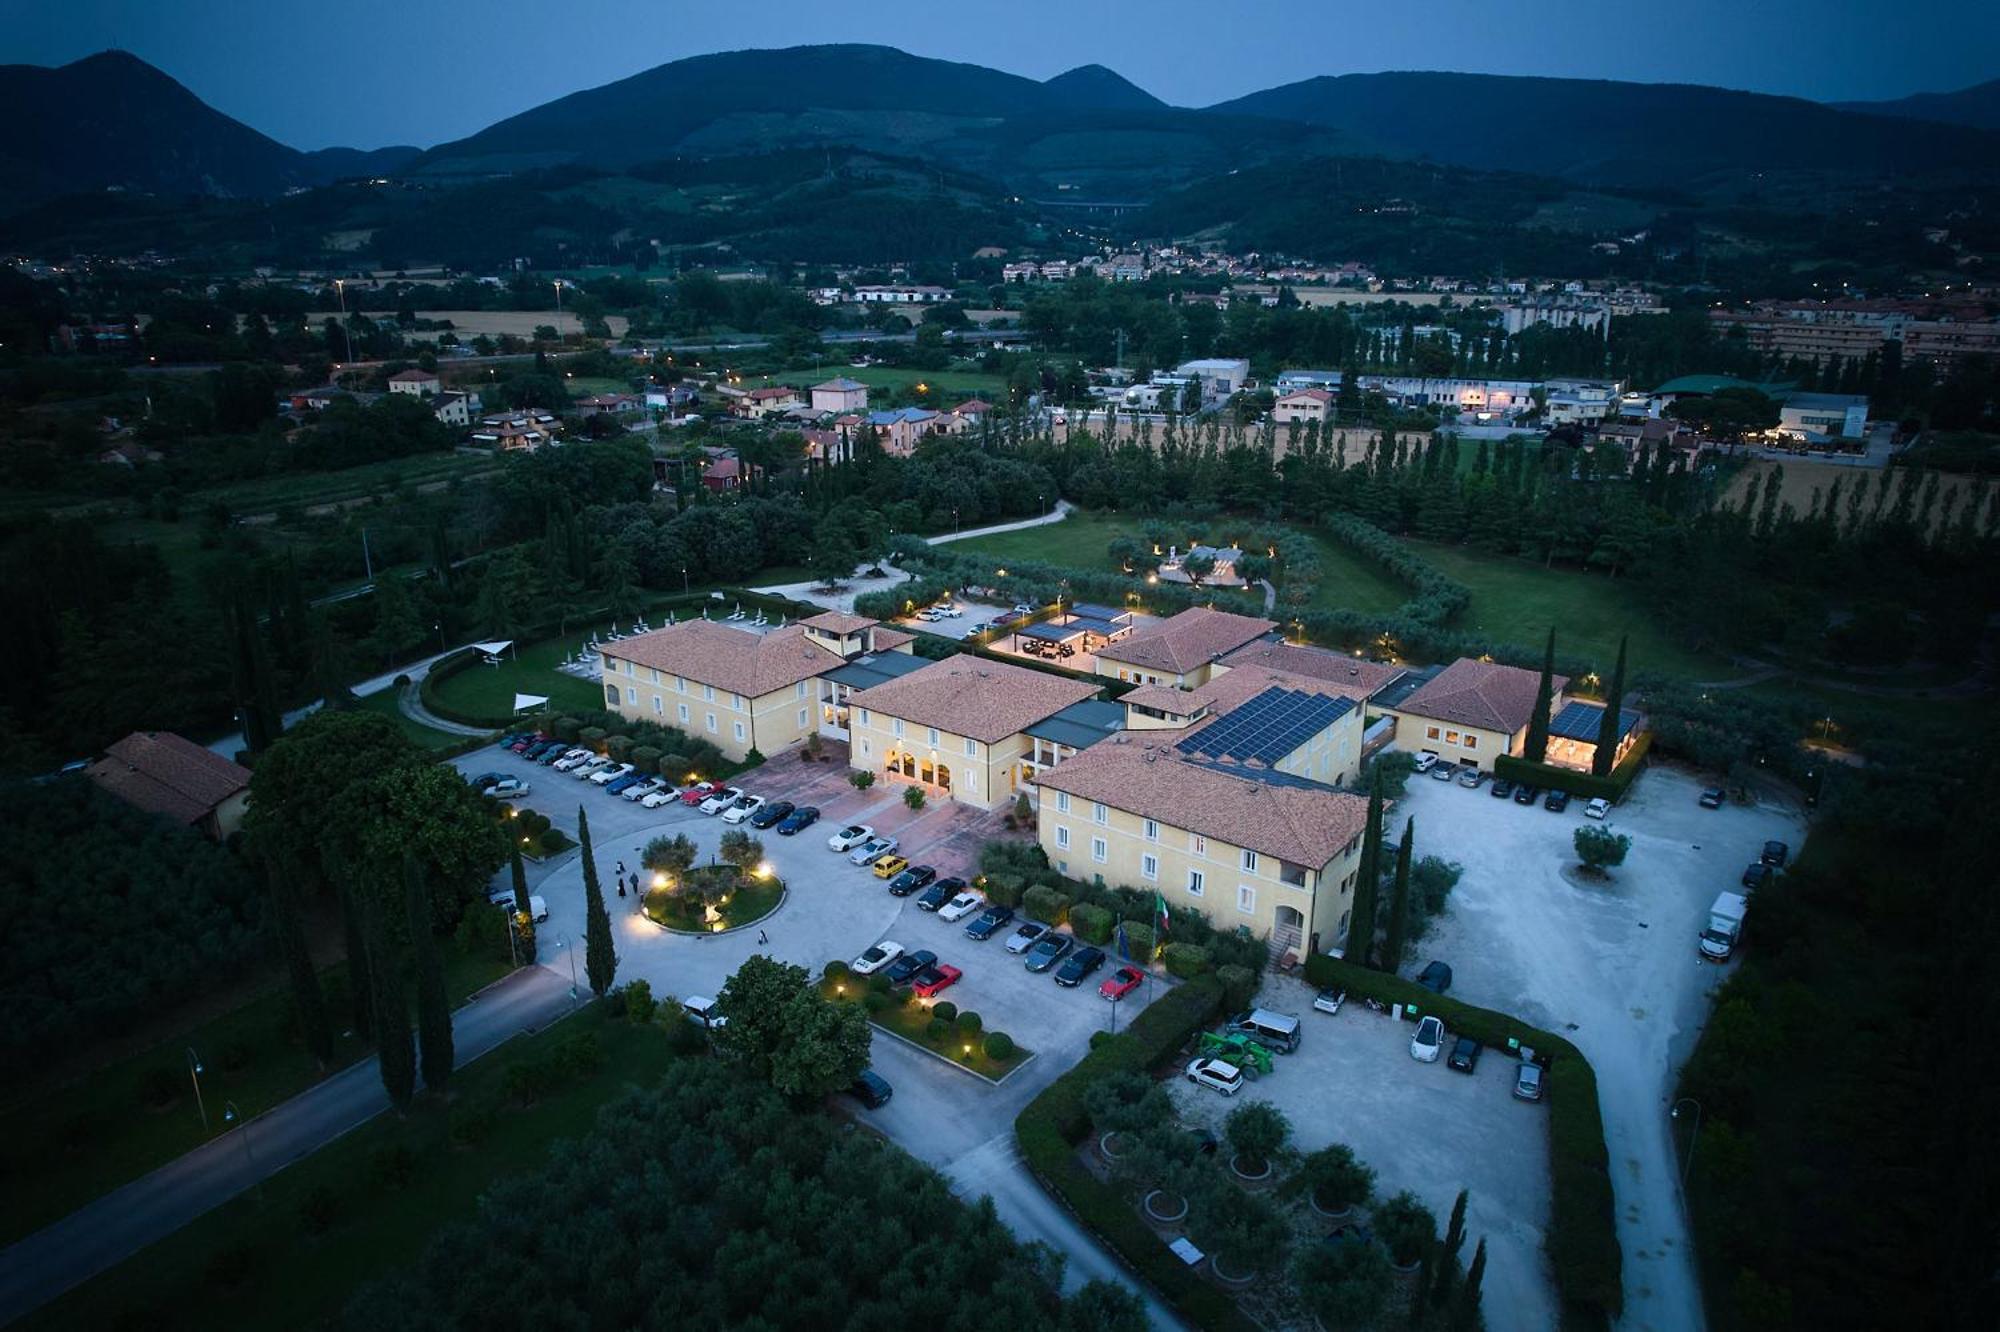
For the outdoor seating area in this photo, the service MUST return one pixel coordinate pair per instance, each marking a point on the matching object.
(1073, 636)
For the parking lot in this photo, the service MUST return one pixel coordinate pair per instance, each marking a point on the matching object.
(1423, 1127)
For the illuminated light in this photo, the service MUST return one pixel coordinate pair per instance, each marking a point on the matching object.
(659, 880)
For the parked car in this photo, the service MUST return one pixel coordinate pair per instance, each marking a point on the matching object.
(1121, 983)
(934, 980)
(887, 867)
(538, 909)
(621, 785)
(1435, 977)
(1023, 608)
(911, 879)
(1025, 938)
(1443, 772)
(550, 754)
(871, 1089)
(589, 768)
(1529, 1078)
(989, 922)
(1081, 963)
(876, 957)
(908, 965)
(666, 795)
(1426, 761)
(771, 814)
(703, 1011)
(1428, 1043)
(520, 741)
(1758, 874)
(853, 835)
(960, 906)
(798, 820)
(1556, 801)
(872, 850)
(1470, 777)
(697, 793)
(606, 776)
(1048, 950)
(1502, 788)
(640, 790)
(1525, 794)
(1713, 797)
(1465, 1054)
(507, 788)
(720, 799)
(744, 809)
(485, 779)
(1329, 1000)
(1598, 808)
(1775, 854)
(938, 892)
(571, 759)
(1216, 1075)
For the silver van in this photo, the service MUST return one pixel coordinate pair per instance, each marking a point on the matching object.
(1274, 1031)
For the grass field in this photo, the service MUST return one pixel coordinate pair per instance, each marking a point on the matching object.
(488, 691)
(364, 1205)
(67, 1145)
(386, 702)
(310, 488)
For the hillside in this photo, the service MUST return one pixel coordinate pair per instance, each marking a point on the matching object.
(1978, 106)
(1649, 134)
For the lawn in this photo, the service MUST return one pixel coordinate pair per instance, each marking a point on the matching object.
(367, 1203)
(910, 1017)
(67, 1145)
(387, 703)
(528, 668)
(746, 902)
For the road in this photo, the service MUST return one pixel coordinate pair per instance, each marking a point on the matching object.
(121, 1223)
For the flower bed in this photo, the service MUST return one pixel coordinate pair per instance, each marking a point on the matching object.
(713, 898)
(902, 1014)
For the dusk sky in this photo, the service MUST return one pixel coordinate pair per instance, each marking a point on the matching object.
(366, 73)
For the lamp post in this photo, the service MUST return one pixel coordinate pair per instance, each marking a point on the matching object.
(340, 291)
(230, 1115)
(439, 626)
(562, 942)
(1693, 1134)
(194, 1072)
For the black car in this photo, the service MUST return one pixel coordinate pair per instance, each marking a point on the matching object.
(771, 814)
(871, 1089)
(989, 922)
(1713, 797)
(908, 965)
(1435, 977)
(1775, 854)
(798, 820)
(939, 893)
(1757, 874)
(1524, 794)
(1465, 1054)
(1502, 788)
(911, 879)
(1081, 964)
(1557, 801)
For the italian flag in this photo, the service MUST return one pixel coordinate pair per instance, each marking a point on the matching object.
(1161, 920)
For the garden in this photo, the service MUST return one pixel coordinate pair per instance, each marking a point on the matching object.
(538, 838)
(738, 889)
(940, 1026)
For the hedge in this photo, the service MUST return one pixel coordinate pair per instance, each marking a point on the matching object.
(1055, 1121)
(1583, 785)
(1582, 1241)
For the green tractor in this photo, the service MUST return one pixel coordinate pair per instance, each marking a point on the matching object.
(1241, 1051)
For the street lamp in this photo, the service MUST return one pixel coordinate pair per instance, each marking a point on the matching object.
(1693, 1134)
(439, 626)
(340, 291)
(230, 1114)
(194, 1072)
(562, 942)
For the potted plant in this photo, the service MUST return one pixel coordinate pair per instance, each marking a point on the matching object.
(1257, 1130)
(1123, 1104)
(1245, 1235)
(1408, 1228)
(1335, 1181)
(1343, 1281)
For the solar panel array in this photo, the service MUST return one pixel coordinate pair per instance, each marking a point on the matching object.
(1267, 727)
(1580, 721)
(1090, 610)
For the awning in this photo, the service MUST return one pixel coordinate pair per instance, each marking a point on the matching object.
(1053, 633)
(523, 702)
(496, 647)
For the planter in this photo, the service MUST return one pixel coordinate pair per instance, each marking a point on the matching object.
(1344, 1214)
(1110, 1147)
(1406, 1269)
(1257, 1176)
(1164, 1209)
(1226, 1278)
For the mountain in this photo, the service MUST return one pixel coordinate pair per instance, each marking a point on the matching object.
(1095, 88)
(1978, 106)
(112, 121)
(1615, 133)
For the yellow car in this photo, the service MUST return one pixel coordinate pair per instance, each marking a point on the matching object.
(888, 867)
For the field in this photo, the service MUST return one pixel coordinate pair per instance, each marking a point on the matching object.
(469, 324)
(309, 489)
(488, 691)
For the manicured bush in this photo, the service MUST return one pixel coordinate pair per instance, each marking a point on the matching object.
(1140, 941)
(836, 970)
(646, 758)
(592, 737)
(876, 1001)
(1186, 959)
(674, 766)
(1045, 903)
(1258, 1131)
(639, 1002)
(861, 779)
(565, 729)
(1239, 986)
(1092, 924)
(936, 1030)
(878, 983)
(913, 797)
(1004, 888)
(999, 1045)
(968, 1022)
(945, 1009)
(619, 747)
(753, 758)
(552, 840)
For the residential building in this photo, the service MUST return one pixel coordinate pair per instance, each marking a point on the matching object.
(759, 403)
(1275, 720)
(1290, 381)
(1472, 712)
(165, 774)
(737, 688)
(1222, 562)
(899, 295)
(1359, 678)
(971, 412)
(609, 404)
(1179, 651)
(453, 409)
(1562, 312)
(898, 431)
(1942, 344)
(1070, 732)
(839, 396)
(725, 473)
(1652, 434)
(826, 446)
(507, 431)
(1303, 405)
(958, 727)
(420, 383)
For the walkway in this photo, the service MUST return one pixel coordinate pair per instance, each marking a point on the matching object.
(232, 744)
(1062, 510)
(411, 703)
(102, 1234)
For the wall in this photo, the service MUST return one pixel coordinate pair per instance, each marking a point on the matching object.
(768, 722)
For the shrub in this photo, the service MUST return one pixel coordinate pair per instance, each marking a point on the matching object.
(968, 1022)
(618, 747)
(945, 1009)
(999, 1045)
(936, 1030)
(876, 1001)
(913, 797)
(1140, 940)
(392, 1168)
(1045, 903)
(646, 758)
(861, 779)
(1239, 986)
(1185, 960)
(1092, 924)
(673, 766)
(1406, 1226)
(1005, 888)
(1394, 766)
(837, 970)
(592, 737)
(878, 984)
(552, 840)
(318, 1209)
(1257, 1130)
(1344, 1285)
(473, 1124)
(577, 1056)
(1099, 1037)
(639, 1002)
(1336, 1178)
(1600, 848)
(565, 729)
(753, 757)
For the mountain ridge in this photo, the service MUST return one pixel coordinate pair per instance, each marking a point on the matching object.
(1977, 106)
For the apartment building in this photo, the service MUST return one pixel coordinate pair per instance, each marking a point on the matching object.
(1180, 651)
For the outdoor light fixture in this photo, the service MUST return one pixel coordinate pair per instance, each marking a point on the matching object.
(659, 880)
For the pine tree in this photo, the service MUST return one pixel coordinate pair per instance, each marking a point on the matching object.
(1465, 1310)
(1399, 901)
(1454, 1240)
(1361, 920)
(1608, 725)
(308, 1002)
(600, 962)
(433, 1001)
(1537, 747)
(395, 1048)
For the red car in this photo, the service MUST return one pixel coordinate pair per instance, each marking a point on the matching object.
(1121, 983)
(697, 793)
(935, 979)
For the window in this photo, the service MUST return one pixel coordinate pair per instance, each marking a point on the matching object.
(1431, 732)
(802, 718)
(682, 710)
(739, 730)
(656, 675)
(971, 747)
(1149, 867)
(611, 696)
(708, 693)
(631, 694)
(659, 705)
(736, 702)
(1451, 737)
(1098, 814)
(864, 716)
(1062, 867)
(864, 747)
(1246, 899)
(1099, 851)
(1196, 882)
(1198, 844)
(897, 727)
(799, 691)
(680, 683)
(711, 723)
(930, 733)
(1249, 862)
(1062, 801)
(1152, 830)
(1062, 838)
(1471, 740)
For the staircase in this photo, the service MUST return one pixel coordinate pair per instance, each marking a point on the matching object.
(1285, 950)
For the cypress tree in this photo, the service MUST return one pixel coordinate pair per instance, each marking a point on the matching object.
(523, 923)
(1607, 725)
(600, 961)
(1454, 1240)
(360, 987)
(433, 1001)
(307, 1000)
(1537, 747)
(1399, 901)
(395, 1049)
(1465, 1312)
(1361, 920)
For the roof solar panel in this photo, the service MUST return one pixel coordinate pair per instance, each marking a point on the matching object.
(1267, 727)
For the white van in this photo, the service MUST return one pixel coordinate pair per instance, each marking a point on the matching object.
(702, 1011)
(1273, 1031)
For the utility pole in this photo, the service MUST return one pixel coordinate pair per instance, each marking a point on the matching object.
(367, 560)
(340, 290)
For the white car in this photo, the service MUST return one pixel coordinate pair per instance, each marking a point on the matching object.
(950, 612)
(590, 769)
(1426, 761)
(872, 850)
(1428, 1043)
(1216, 1075)
(1030, 934)
(506, 788)
(537, 908)
(961, 906)
(606, 776)
(1023, 608)
(640, 790)
(853, 835)
(721, 800)
(1600, 808)
(667, 794)
(575, 758)
(876, 958)
(743, 809)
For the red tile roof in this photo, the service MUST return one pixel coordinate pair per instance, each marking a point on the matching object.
(1484, 694)
(1189, 640)
(970, 696)
(163, 773)
(738, 660)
